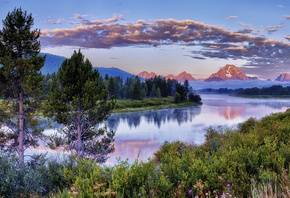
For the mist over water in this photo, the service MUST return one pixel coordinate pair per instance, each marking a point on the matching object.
(142, 133)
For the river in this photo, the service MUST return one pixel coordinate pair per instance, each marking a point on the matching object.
(142, 133)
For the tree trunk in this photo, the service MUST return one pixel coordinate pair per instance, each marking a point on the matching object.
(79, 146)
(21, 132)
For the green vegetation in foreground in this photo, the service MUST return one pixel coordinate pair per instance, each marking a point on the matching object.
(126, 105)
(251, 161)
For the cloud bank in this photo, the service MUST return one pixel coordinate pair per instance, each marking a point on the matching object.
(217, 42)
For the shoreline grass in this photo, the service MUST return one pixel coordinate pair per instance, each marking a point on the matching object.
(127, 105)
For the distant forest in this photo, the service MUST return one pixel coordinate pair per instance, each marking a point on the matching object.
(275, 90)
(134, 88)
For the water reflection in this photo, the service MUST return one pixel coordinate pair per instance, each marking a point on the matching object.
(145, 131)
(231, 112)
(157, 117)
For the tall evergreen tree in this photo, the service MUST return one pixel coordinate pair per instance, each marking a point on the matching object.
(136, 93)
(186, 87)
(153, 91)
(112, 87)
(79, 102)
(20, 79)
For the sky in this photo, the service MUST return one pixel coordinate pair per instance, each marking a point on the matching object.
(166, 37)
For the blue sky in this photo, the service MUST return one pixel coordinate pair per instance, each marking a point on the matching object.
(167, 37)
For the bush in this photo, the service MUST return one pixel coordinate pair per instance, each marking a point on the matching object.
(177, 97)
(194, 98)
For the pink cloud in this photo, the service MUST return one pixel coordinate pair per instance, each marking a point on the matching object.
(231, 17)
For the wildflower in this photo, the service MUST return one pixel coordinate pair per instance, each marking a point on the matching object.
(191, 192)
(229, 192)
(228, 185)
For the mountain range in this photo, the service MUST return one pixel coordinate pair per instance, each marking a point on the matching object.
(180, 77)
(228, 72)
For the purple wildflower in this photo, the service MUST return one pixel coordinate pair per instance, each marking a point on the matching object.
(229, 192)
(191, 192)
(229, 185)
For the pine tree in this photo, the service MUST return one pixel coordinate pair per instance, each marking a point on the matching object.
(186, 87)
(79, 102)
(158, 93)
(20, 79)
(111, 87)
(153, 91)
(136, 93)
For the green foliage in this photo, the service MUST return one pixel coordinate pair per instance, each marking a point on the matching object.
(136, 93)
(177, 97)
(158, 93)
(39, 177)
(194, 98)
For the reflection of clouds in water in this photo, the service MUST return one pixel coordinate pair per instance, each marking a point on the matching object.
(132, 148)
(158, 117)
(231, 112)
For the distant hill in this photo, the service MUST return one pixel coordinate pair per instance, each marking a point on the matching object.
(52, 63)
(229, 72)
(283, 77)
(114, 72)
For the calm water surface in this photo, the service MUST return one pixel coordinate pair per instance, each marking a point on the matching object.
(142, 133)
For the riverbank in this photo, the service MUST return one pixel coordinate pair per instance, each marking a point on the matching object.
(264, 96)
(127, 105)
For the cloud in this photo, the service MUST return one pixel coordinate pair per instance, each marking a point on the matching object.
(287, 37)
(287, 17)
(246, 31)
(280, 6)
(216, 42)
(275, 26)
(79, 16)
(59, 21)
(231, 17)
(242, 48)
(243, 24)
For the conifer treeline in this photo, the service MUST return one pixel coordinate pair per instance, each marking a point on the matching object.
(134, 88)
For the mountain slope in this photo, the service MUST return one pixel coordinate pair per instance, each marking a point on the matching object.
(180, 77)
(114, 72)
(146, 75)
(283, 77)
(52, 63)
(229, 72)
